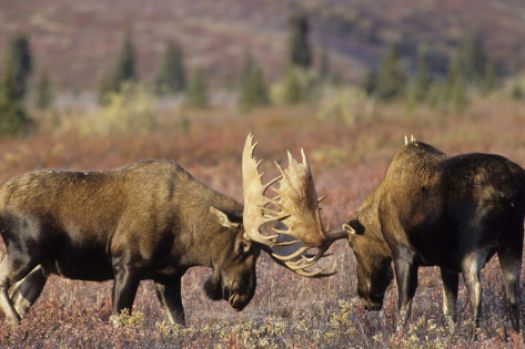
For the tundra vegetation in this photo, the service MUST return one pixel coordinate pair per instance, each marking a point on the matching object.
(286, 310)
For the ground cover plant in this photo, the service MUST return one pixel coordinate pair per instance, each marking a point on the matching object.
(287, 310)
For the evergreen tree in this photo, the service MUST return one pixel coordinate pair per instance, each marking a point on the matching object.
(13, 118)
(490, 77)
(253, 90)
(390, 78)
(123, 70)
(198, 96)
(44, 97)
(300, 53)
(171, 77)
(421, 81)
(21, 63)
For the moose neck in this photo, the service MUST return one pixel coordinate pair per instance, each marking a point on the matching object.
(369, 217)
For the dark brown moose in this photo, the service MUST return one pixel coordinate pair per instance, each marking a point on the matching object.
(153, 220)
(431, 209)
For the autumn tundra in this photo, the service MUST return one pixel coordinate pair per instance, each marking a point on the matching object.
(454, 212)
(153, 220)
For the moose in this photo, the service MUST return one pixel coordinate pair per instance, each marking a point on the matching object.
(153, 220)
(454, 212)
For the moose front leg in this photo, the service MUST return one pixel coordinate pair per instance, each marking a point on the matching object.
(406, 279)
(510, 261)
(124, 289)
(169, 294)
(450, 296)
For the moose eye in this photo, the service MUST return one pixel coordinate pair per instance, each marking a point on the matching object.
(245, 248)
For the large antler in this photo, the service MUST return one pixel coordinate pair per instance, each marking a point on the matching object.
(296, 206)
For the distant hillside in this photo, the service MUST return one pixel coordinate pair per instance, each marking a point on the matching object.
(76, 41)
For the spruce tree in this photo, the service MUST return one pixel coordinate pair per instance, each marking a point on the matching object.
(300, 53)
(197, 94)
(253, 90)
(390, 78)
(44, 96)
(171, 77)
(21, 63)
(13, 118)
(123, 70)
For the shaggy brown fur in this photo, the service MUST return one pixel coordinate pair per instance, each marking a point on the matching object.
(452, 212)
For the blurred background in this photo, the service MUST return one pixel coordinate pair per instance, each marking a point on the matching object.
(344, 55)
(98, 84)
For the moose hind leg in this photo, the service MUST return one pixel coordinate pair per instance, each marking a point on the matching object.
(450, 296)
(510, 261)
(27, 290)
(471, 268)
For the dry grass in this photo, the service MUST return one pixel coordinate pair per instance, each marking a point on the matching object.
(287, 311)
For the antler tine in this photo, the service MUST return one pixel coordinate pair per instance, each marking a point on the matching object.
(306, 163)
(289, 257)
(301, 263)
(269, 184)
(316, 274)
(300, 266)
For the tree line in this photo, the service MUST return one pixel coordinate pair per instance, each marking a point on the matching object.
(469, 68)
(172, 76)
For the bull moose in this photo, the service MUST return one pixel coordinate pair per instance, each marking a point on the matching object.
(153, 220)
(454, 212)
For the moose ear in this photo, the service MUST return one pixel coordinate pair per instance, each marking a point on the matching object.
(354, 227)
(223, 218)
